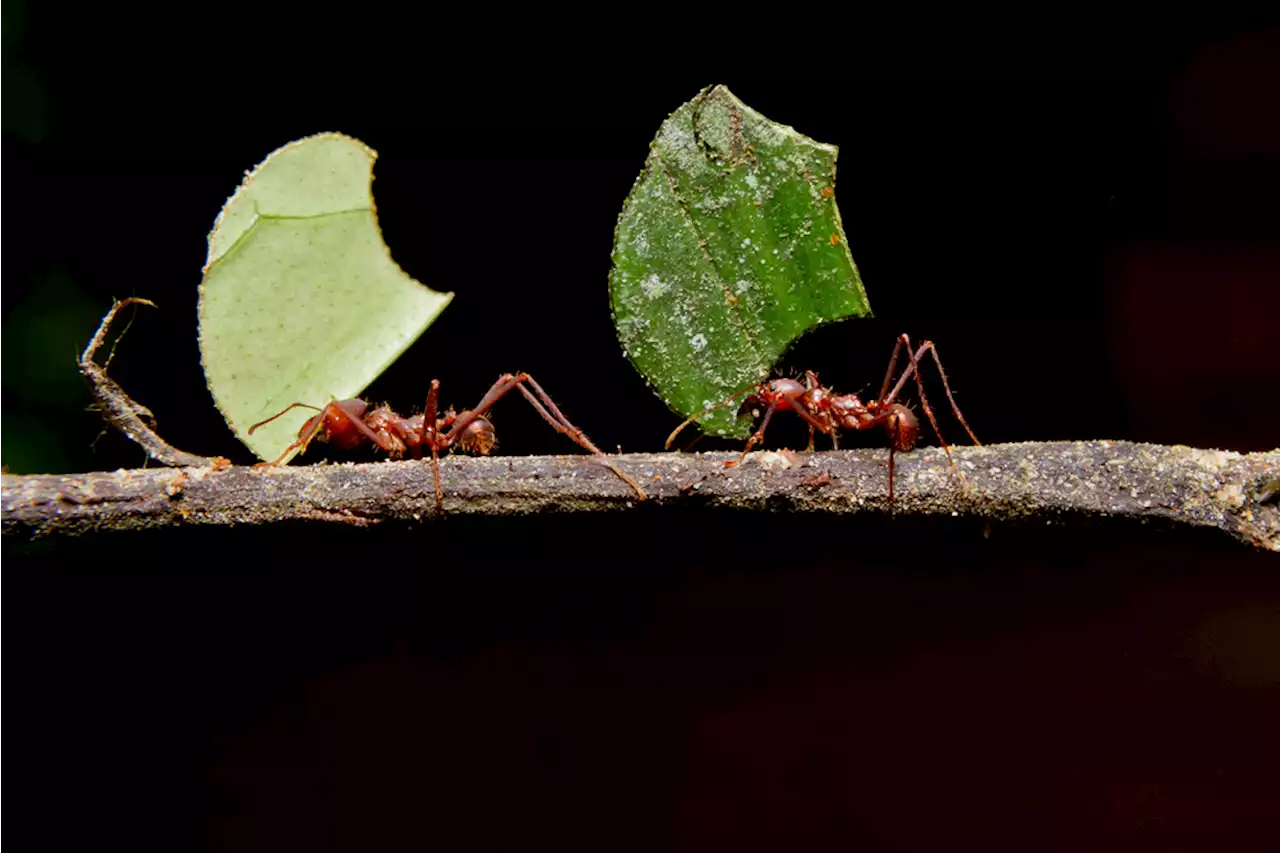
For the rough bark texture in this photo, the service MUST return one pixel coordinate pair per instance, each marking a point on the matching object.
(1057, 482)
(1052, 482)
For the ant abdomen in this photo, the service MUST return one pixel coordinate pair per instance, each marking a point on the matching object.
(478, 437)
(903, 427)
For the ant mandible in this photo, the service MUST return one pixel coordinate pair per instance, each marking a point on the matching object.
(347, 424)
(828, 412)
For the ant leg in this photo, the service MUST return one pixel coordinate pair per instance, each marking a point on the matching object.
(946, 386)
(888, 374)
(704, 413)
(814, 423)
(431, 437)
(363, 429)
(910, 370)
(552, 414)
(756, 437)
(556, 418)
(435, 470)
(495, 393)
(299, 443)
(429, 413)
(924, 400)
(914, 369)
(880, 418)
(811, 382)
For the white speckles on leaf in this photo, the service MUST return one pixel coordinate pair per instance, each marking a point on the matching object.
(653, 286)
(698, 342)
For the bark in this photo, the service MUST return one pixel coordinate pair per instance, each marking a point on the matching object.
(1055, 482)
(1051, 483)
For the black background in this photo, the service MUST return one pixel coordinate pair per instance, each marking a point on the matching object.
(1092, 245)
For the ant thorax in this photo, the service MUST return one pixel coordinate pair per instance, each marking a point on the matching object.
(817, 399)
(848, 411)
(396, 433)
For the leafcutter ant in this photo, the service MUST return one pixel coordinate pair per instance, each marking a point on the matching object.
(828, 412)
(348, 424)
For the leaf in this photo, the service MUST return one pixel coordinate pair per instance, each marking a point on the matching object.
(301, 301)
(728, 248)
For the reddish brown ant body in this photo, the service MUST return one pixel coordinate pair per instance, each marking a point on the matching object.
(828, 412)
(348, 424)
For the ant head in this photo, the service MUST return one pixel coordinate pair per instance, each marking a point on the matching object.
(338, 428)
(902, 426)
(353, 409)
(478, 437)
(790, 389)
(337, 418)
(779, 393)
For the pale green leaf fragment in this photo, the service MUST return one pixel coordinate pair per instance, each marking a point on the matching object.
(301, 301)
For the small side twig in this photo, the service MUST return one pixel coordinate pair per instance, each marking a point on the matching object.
(126, 415)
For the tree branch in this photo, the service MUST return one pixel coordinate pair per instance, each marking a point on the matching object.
(1056, 482)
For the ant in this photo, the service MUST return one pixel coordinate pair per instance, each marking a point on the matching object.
(828, 412)
(347, 424)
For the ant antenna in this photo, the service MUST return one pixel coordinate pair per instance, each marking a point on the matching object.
(704, 413)
(291, 407)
